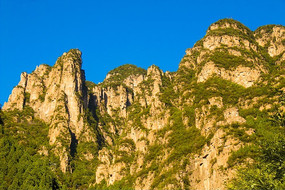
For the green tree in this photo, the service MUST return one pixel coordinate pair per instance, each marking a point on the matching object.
(268, 169)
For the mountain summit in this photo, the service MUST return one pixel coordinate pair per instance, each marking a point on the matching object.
(196, 128)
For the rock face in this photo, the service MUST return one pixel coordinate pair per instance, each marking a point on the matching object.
(59, 97)
(244, 76)
(154, 130)
(272, 38)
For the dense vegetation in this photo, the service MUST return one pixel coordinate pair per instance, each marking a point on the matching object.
(268, 169)
(28, 160)
(23, 143)
(261, 162)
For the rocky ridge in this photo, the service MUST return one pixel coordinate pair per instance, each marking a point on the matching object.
(149, 129)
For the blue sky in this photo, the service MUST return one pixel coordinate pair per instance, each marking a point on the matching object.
(111, 33)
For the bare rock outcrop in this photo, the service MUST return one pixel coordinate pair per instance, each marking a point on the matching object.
(58, 96)
(160, 130)
(272, 37)
(244, 76)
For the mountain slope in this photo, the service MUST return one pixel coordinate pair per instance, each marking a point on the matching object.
(146, 129)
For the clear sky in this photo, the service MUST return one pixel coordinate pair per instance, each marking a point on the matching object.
(114, 32)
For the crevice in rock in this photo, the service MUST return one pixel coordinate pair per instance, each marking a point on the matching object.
(73, 143)
(92, 107)
(105, 99)
(128, 103)
(25, 88)
(84, 90)
(205, 156)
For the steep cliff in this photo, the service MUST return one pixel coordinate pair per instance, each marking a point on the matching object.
(58, 96)
(146, 129)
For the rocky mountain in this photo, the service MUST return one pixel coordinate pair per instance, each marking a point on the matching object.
(195, 128)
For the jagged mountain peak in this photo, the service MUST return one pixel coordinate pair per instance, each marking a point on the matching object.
(227, 23)
(119, 74)
(153, 69)
(272, 38)
(233, 52)
(267, 28)
(146, 129)
(227, 32)
(72, 56)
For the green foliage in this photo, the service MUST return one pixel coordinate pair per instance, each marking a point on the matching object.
(268, 29)
(183, 140)
(184, 80)
(233, 23)
(199, 43)
(123, 155)
(126, 183)
(225, 60)
(185, 75)
(27, 97)
(167, 92)
(42, 97)
(256, 177)
(145, 87)
(119, 74)
(189, 112)
(279, 115)
(136, 113)
(90, 85)
(265, 28)
(165, 179)
(128, 142)
(267, 171)
(59, 62)
(127, 70)
(22, 167)
(82, 169)
(21, 170)
(231, 32)
(240, 156)
(215, 87)
(75, 54)
(23, 137)
(154, 151)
